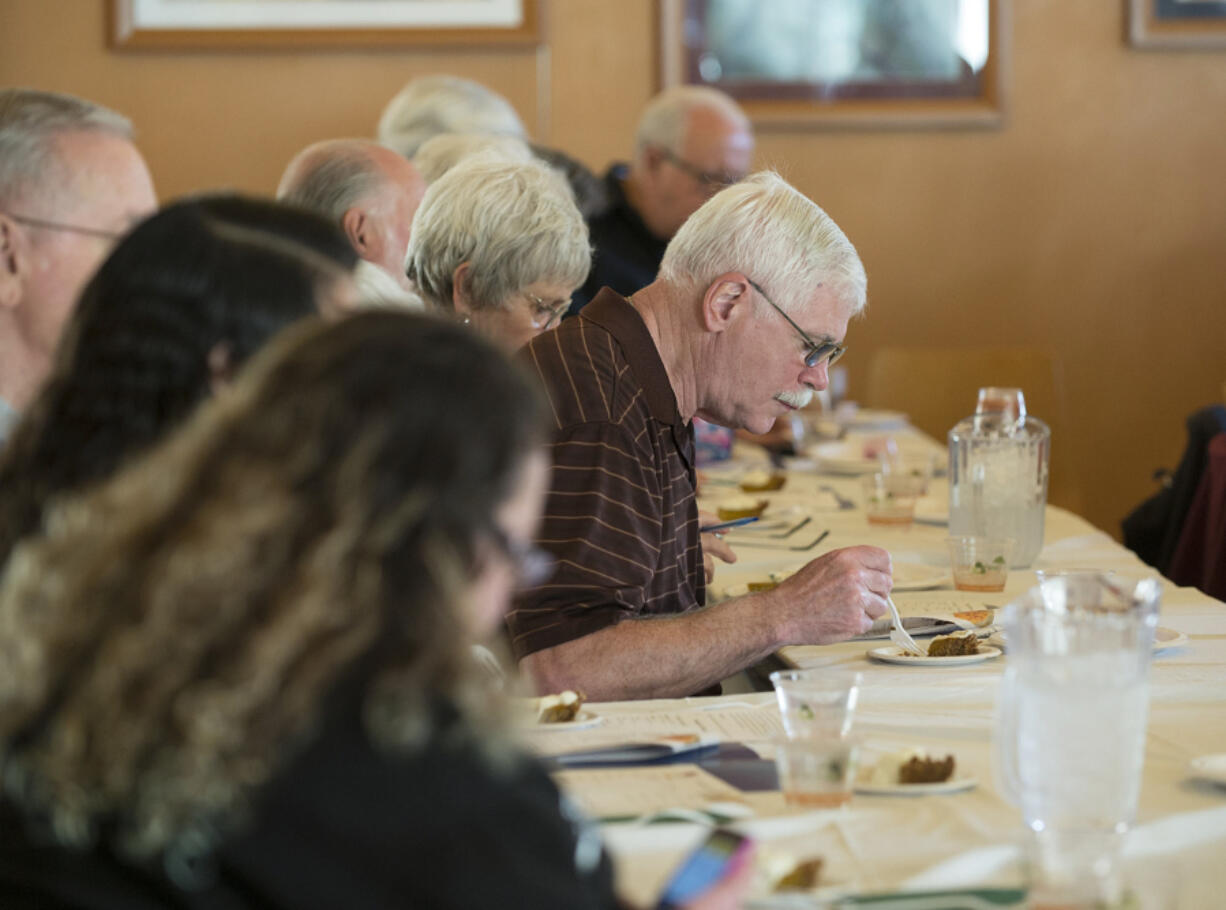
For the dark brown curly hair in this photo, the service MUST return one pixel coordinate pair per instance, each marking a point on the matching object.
(173, 635)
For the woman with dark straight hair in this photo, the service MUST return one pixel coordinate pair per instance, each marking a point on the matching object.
(181, 303)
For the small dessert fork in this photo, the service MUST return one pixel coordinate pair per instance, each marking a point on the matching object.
(842, 501)
(899, 635)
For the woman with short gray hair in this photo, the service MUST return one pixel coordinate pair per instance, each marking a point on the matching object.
(502, 245)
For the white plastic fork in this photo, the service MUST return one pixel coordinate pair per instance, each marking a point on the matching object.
(901, 636)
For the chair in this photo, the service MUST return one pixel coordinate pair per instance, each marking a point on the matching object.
(1200, 556)
(937, 387)
(1153, 529)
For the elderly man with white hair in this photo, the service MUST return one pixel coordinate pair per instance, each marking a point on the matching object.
(691, 142)
(752, 303)
(500, 244)
(373, 194)
(71, 183)
(429, 106)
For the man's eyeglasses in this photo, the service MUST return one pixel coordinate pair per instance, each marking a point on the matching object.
(71, 228)
(545, 315)
(532, 564)
(824, 351)
(709, 179)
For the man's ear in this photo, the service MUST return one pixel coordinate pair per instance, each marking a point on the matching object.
(723, 299)
(14, 261)
(359, 230)
(652, 158)
(461, 295)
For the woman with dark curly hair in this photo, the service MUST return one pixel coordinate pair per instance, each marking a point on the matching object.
(247, 684)
(183, 300)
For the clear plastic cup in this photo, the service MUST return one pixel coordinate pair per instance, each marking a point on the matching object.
(919, 468)
(816, 704)
(816, 773)
(889, 499)
(980, 563)
(1010, 403)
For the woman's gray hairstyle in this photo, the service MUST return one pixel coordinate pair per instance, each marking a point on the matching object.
(766, 228)
(662, 124)
(431, 105)
(515, 223)
(440, 154)
(29, 122)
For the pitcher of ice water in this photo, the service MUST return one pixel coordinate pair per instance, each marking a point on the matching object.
(998, 463)
(1071, 728)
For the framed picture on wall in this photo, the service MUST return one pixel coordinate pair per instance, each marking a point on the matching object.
(1177, 24)
(843, 63)
(263, 24)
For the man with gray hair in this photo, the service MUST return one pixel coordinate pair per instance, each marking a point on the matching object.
(751, 305)
(430, 106)
(370, 191)
(71, 184)
(691, 142)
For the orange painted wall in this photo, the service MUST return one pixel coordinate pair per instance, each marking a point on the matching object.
(1092, 223)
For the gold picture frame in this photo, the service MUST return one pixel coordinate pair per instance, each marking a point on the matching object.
(967, 103)
(1185, 25)
(137, 25)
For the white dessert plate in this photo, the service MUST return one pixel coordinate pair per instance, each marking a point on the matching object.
(915, 576)
(843, 458)
(1209, 767)
(581, 721)
(869, 418)
(892, 654)
(953, 785)
(931, 510)
(1165, 638)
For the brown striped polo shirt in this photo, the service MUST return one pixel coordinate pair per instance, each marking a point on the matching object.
(620, 517)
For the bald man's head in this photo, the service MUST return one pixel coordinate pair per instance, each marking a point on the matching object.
(369, 190)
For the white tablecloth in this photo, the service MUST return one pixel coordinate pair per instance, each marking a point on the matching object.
(1177, 853)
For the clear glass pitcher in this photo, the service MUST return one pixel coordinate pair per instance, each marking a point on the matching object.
(1071, 720)
(998, 465)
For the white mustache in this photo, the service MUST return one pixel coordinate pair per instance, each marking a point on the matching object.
(799, 399)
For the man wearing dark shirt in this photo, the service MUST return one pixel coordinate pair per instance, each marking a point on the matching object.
(691, 142)
(753, 300)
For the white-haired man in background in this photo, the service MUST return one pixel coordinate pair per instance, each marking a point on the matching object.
(429, 106)
(752, 303)
(439, 105)
(372, 193)
(71, 184)
(691, 142)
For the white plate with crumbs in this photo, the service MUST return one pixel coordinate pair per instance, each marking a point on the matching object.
(843, 458)
(915, 576)
(1165, 638)
(953, 785)
(1209, 767)
(892, 654)
(872, 419)
(581, 721)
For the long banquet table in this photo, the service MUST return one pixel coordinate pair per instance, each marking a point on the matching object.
(1177, 852)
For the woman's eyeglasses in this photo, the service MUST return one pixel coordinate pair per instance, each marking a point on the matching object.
(546, 315)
